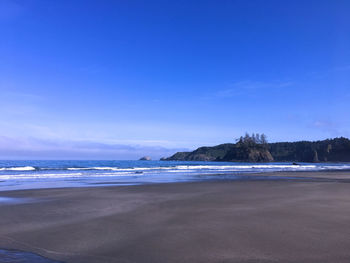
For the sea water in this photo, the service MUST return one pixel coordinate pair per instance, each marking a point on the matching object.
(38, 174)
(17, 256)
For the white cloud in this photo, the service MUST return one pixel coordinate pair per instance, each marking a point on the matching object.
(33, 148)
(246, 87)
(332, 128)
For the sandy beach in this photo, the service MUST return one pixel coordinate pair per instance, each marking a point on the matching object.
(224, 221)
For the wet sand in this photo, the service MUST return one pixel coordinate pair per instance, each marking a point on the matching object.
(223, 221)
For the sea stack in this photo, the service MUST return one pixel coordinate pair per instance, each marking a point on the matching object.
(145, 158)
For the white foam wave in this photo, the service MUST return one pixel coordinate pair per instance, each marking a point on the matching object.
(335, 167)
(121, 169)
(219, 167)
(24, 168)
(255, 166)
(190, 169)
(59, 175)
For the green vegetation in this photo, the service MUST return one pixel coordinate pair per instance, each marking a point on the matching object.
(255, 148)
(330, 150)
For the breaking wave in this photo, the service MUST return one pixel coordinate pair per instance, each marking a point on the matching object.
(24, 168)
(90, 169)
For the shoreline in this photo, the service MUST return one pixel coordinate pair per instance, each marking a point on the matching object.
(302, 220)
(320, 175)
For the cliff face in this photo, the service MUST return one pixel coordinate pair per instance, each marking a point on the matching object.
(245, 154)
(225, 153)
(335, 150)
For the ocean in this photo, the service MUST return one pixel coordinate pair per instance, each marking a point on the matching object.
(46, 174)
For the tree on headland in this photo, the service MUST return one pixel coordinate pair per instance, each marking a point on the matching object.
(263, 139)
(258, 138)
(254, 139)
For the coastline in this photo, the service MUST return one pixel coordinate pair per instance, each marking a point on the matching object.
(303, 220)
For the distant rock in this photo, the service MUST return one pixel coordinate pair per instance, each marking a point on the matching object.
(315, 159)
(145, 158)
(163, 159)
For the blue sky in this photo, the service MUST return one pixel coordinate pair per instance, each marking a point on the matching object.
(153, 77)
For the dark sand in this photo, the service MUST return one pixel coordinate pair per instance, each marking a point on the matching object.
(227, 221)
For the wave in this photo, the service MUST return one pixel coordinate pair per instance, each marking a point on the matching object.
(123, 169)
(198, 167)
(59, 175)
(23, 168)
(255, 166)
(190, 168)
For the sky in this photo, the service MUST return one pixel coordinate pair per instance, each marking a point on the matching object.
(122, 79)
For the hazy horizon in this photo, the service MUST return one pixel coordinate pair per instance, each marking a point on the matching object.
(119, 80)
